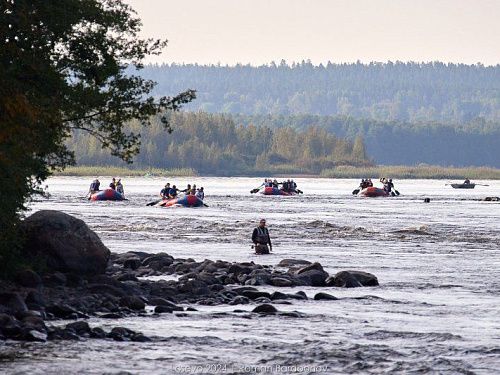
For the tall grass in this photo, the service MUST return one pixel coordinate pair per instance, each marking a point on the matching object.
(84, 170)
(417, 172)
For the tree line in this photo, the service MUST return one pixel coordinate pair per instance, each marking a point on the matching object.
(217, 144)
(393, 91)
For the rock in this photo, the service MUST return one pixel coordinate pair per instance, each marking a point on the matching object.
(293, 262)
(324, 296)
(163, 309)
(9, 326)
(28, 278)
(156, 301)
(281, 282)
(254, 294)
(139, 337)
(352, 279)
(11, 303)
(132, 263)
(239, 300)
(79, 327)
(279, 296)
(313, 266)
(127, 277)
(106, 289)
(34, 323)
(265, 309)
(312, 277)
(55, 279)
(299, 295)
(133, 303)
(35, 297)
(33, 335)
(158, 261)
(64, 311)
(121, 334)
(97, 333)
(492, 199)
(64, 242)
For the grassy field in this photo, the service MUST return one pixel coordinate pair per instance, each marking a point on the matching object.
(417, 172)
(83, 170)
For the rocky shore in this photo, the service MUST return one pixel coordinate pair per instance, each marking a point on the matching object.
(78, 277)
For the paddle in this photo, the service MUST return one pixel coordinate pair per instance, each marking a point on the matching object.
(481, 185)
(205, 205)
(154, 202)
(299, 191)
(253, 191)
(397, 192)
(355, 191)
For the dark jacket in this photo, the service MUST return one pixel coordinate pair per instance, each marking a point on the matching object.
(257, 237)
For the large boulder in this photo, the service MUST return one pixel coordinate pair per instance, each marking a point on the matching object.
(64, 243)
(352, 279)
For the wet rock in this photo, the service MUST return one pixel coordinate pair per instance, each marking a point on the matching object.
(165, 303)
(492, 199)
(279, 296)
(265, 309)
(352, 279)
(34, 323)
(79, 327)
(34, 335)
(111, 316)
(299, 295)
(106, 289)
(163, 309)
(34, 297)
(55, 279)
(254, 294)
(11, 303)
(262, 300)
(64, 242)
(324, 296)
(158, 261)
(191, 309)
(9, 326)
(312, 278)
(97, 333)
(239, 300)
(139, 337)
(133, 303)
(127, 277)
(281, 282)
(64, 311)
(28, 278)
(293, 262)
(132, 263)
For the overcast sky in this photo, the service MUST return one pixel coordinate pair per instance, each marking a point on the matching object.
(259, 31)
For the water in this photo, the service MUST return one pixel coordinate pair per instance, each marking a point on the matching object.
(436, 310)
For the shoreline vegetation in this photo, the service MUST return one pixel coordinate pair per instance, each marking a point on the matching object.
(400, 172)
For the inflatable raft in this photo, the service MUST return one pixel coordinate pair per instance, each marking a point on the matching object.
(276, 191)
(373, 192)
(185, 201)
(107, 195)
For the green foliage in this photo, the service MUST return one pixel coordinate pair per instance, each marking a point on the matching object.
(97, 170)
(63, 67)
(408, 92)
(214, 144)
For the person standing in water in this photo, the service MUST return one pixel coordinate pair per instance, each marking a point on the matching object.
(261, 239)
(119, 187)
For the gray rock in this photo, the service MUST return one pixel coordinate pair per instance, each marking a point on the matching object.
(11, 303)
(281, 282)
(324, 296)
(28, 278)
(265, 309)
(133, 303)
(132, 263)
(64, 243)
(79, 327)
(293, 262)
(352, 279)
(163, 309)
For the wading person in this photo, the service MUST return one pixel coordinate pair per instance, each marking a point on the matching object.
(261, 239)
(119, 187)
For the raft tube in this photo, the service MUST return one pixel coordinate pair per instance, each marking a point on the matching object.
(373, 192)
(276, 191)
(185, 201)
(107, 195)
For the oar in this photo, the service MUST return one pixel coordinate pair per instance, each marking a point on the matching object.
(397, 192)
(481, 185)
(154, 202)
(355, 191)
(299, 191)
(205, 205)
(253, 191)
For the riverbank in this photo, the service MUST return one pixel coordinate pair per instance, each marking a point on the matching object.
(399, 172)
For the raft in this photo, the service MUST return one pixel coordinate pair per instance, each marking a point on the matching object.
(276, 191)
(107, 195)
(373, 192)
(463, 186)
(185, 201)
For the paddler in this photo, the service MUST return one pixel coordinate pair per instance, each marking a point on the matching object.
(261, 239)
(165, 191)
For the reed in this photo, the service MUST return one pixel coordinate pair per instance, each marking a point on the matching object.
(413, 172)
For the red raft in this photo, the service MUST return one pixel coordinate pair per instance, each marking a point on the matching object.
(276, 191)
(185, 201)
(107, 195)
(373, 192)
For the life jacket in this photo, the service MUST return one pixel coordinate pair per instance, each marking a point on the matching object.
(262, 236)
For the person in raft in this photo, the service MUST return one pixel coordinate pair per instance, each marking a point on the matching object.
(165, 191)
(467, 181)
(112, 185)
(200, 193)
(261, 239)
(119, 187)
(173, 192)
(94, 186)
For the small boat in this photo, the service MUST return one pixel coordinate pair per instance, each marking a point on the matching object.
(276, 191)
(463, 186)
(185, 201)
(107, 195)
(373, 192)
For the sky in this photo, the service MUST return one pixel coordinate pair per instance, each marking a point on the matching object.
(261, 31)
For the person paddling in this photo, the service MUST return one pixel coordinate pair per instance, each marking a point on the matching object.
(112, 185)
(165, 191)
(119, 187)
(261, 239)
(94, 186)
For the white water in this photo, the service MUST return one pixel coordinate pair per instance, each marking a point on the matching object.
(437, 307)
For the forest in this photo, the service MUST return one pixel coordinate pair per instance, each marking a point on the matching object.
(217, 144)
(408, 92)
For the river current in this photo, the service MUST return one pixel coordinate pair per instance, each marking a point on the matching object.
(437, 309)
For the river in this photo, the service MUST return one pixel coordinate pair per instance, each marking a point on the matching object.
(437, 308)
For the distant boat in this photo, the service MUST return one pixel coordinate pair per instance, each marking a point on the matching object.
(463, 186)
